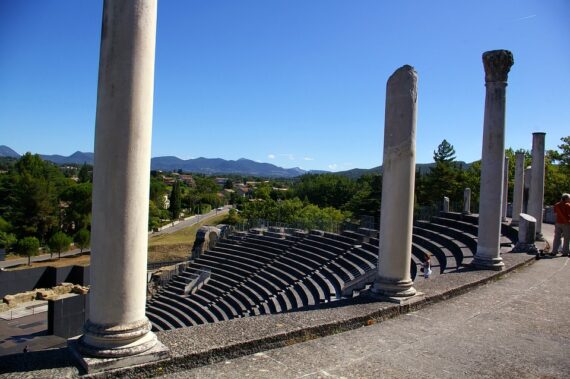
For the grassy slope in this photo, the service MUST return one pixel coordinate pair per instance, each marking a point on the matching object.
(177, 245)
(165, 247)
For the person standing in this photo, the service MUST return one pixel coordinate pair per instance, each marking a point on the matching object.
(562, 227)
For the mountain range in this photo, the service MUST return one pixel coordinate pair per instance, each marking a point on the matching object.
(169, 163)
(212, 166)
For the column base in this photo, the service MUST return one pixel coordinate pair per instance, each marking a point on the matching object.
(117, 340)
(390, 288)
(495, 264)
(157, 352)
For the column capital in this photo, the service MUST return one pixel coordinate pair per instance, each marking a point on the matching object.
(497, 64)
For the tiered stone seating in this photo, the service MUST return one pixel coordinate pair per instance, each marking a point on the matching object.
(280, 270)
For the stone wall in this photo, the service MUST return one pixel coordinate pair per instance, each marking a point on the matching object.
(12, 282)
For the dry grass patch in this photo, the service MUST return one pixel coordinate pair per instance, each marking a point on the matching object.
(164, 247)
(177, 245)
(76, 260)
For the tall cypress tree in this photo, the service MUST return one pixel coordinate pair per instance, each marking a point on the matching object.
(175, 200)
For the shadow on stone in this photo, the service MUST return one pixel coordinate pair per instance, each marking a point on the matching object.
(54, 359)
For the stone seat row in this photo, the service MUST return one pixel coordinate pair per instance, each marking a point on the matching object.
(261, 273)
(313, 288)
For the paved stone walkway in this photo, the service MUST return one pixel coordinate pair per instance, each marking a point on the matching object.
(516, 327)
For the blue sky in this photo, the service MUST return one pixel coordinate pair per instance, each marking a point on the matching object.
(293, 83)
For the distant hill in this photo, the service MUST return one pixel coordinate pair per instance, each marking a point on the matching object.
(217, 166)
(5, 151)
(221, 166)
(423, 168)
(76, 158)
(209, 166)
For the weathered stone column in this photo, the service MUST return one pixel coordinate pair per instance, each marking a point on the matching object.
(117, 325)
(497, 64)
(518, 190)
(467, 201)
(526, 191)
(446, 204)
(505, 190)
(396, 218)
(536, 193)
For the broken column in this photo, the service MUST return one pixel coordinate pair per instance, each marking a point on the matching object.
(445, 204)
(467, 201)
(497, 64)
(396, 218)
(117, 325)
(505, 202)
(526, 236)
(536, 192)
(518, 191)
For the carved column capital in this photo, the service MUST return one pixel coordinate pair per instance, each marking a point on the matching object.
(497, 65)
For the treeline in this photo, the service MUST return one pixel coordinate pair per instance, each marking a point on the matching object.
(362, 197)
(45, 205)
(41, 205)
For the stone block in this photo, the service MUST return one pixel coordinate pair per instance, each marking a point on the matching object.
(527, 235)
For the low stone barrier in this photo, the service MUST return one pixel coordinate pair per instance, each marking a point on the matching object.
(11, 301)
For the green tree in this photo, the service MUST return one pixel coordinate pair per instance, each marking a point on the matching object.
(59, 242)
(77, 211)
(82, 239)
(157, 190)
(325, 190)
(31, 202)
(444, 153)
(444, 179)
(85, 174)
(229, 184)
(367, 199)
(7, 240)
(564, 155)
(175, 201)
(232, 218)
(28, 246)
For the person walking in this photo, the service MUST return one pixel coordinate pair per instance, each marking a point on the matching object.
(426, 266)
(562, 226)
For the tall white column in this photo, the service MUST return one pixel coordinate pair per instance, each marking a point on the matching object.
(396, 218)
(536, 193)
(518, 190)
(467, 201)
(505, 190)
(117, 325)
(497, 64)
(446, 204)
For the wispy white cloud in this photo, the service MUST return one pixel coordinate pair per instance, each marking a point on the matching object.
(332, 166)
(271, 156)
(525, 17)
(308, 159)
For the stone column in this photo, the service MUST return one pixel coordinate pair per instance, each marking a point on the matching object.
(526, 191)
(467, 201)
(497, 65)
(536, 193)
(396, 218)
(117, 325)
(446, 204)
(505, 190)
(518, 190)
